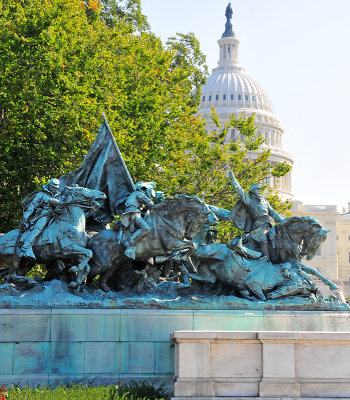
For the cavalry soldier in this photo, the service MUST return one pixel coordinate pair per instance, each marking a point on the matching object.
(252, 214)
(37, 213)
(139, 200)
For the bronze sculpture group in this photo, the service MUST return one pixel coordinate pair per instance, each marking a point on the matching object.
(156, 240)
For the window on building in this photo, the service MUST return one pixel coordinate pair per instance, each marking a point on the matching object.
(203, 98)
(209, 98)
(217, 97)
(246, 97)
(232, 96)
(224, 97)
(349, 237)
(349, 257)
(239, 97)
(253, 98)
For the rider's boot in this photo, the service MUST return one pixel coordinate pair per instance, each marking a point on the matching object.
(27, 243)
(131, 243)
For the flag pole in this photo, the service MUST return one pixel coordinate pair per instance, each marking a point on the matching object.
(118, 151)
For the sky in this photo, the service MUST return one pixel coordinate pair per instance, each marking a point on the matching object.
(299, 51)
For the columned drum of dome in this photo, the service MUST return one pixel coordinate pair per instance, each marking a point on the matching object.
(231, 91)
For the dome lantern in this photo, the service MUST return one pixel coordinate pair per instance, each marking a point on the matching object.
(228, 44)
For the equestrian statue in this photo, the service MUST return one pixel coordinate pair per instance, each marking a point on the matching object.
(91, 224)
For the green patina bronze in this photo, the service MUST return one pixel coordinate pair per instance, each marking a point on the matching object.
(158, 245)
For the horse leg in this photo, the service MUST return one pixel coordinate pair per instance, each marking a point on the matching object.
(246, 295)
(256, 290)
(82, 269)
(314, 272)
(102, 282)
(190, 248)
(294, 289)
(24, 282)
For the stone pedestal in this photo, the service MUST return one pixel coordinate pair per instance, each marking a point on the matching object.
(278, 357)
(52, 346)
(264, 365)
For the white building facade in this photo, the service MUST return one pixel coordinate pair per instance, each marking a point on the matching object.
(333, 257)
(231, 91)
(326, 260)
(343, 245)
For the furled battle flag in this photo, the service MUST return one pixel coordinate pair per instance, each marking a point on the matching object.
(103, 169)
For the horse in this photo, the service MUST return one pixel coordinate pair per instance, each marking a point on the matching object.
(64, 238)
(174, 222)
(296, 238)
(250, 279)
(290, 241)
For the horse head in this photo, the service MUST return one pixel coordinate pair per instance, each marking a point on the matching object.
(83, 197)
(299, 237)
(197, 213)
(187, 211)
(313, 235)
(310, 247)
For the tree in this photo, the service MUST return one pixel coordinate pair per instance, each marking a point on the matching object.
(62, 64)
(127, 10)
(48, 67)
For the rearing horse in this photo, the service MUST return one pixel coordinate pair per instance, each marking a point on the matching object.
(63, 239)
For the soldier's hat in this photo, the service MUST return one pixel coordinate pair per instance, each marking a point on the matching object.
(54, 183)
(254, 186)
(145, 185)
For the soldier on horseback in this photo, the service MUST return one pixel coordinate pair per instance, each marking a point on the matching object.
(38, 212)
(139, 200)
(252, 215)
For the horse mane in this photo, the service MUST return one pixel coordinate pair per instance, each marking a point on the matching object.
(297, 221)
(174, 200)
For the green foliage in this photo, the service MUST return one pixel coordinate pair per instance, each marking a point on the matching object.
(128, 11)
(209, 161)
(38, 270)
(191, 60)
(62, 63)
(124, 391)
(142, 389)
(47, 65)
(60, 67)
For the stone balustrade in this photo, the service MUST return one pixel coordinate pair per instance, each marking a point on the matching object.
(246, 365)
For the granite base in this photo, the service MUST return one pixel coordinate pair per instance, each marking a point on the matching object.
(51, 346)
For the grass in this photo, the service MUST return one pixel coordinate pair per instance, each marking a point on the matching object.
(125, 391)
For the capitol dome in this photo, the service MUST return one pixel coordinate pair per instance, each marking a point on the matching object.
(234, 89)
(231, 91)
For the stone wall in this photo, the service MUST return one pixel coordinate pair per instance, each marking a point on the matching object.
(262, 365)
(51, 346)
